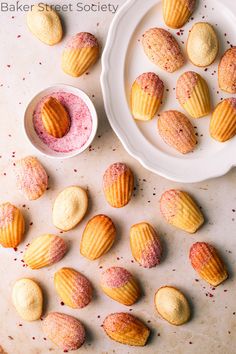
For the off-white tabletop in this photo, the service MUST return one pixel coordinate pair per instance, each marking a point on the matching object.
(28, 66)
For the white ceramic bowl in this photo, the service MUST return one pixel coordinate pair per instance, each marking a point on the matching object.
(34, 138)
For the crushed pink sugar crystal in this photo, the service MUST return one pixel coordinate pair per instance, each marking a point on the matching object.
(6, 214)
(81, 123)
(113, 173)
(115, 277)
(82, 40)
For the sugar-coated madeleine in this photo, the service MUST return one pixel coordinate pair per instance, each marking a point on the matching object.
(207, 263)
(65, 331)
(177, 12)
(126, 329)
(45, 24)
(120, 285)
(202, 44)
(74, 289)
(44, 251)
(193, 94)
(12, 225)
(118, 184)
(31, 177)
(227, 71)
(181, 211)
(55, 118)
(69, 208)
(80, 53)
(145, 245)
(98, 237)
(146, 96)
(27, 297)
(162, 49)
(177, 131)
(172, 305)
(223, 120)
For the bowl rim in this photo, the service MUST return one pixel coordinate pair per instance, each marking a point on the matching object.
(80, 93)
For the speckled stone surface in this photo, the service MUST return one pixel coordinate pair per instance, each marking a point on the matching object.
(28, 66)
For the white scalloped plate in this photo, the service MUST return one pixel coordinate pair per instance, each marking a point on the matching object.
(123, 60)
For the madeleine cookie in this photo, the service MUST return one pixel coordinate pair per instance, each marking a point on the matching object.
(162, 49)
(172, 305)
(118, 184)
(207, 263)
(227, 71)
(146, 96)
(145, 245)
(98, 237)
(223, 120)
(193, 94)
(56, 120)
(202, 44)
(120, 285)
(12, 225)
(31, 178)
(44, 251)
(45, 24)
(80, 53)
(180, 210)
(74, 289)
(177, 12)
(69, 208)
(177, 131)
(126, 329)
(27, 297)
(65, 331)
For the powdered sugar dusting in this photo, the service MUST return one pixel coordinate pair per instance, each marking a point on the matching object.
(151, 255)
(115, 277)
(6, 214)
(113, 173)
(82, 40)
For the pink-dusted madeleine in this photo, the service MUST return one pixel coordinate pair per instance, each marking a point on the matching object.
(162, 49)
(74, 289)
(12, 225)
(120, 285)
(118, 184)
(44, 251)
(80, 53)
(227, 71)
(177, 131)
(223, 120)
(146, 96)
(177, 12)
(145, 245)
(98, 237)
(65, 331)
(126, 329)
(31, 177)
(181, 211)
(207, 263)
(193, 94)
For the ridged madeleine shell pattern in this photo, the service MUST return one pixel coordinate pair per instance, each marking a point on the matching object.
(12, 225)
(177, 131)
(146, 96)
(145, 245)
(227, 71)
(74, 289)
(177, 12)
(223, 120)
(45, 250)
(31, 177)
(126, 329)
(181, 211)
(207, 263)
(193, 94)
(162, 49)
(98, 237)
(65, 331)
(55, 118)
(118, 185)
(120, 285)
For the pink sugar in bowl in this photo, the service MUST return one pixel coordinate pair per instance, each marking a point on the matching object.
(83, 122)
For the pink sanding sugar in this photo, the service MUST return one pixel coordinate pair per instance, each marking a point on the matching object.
(6, 214)
(80, 128)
